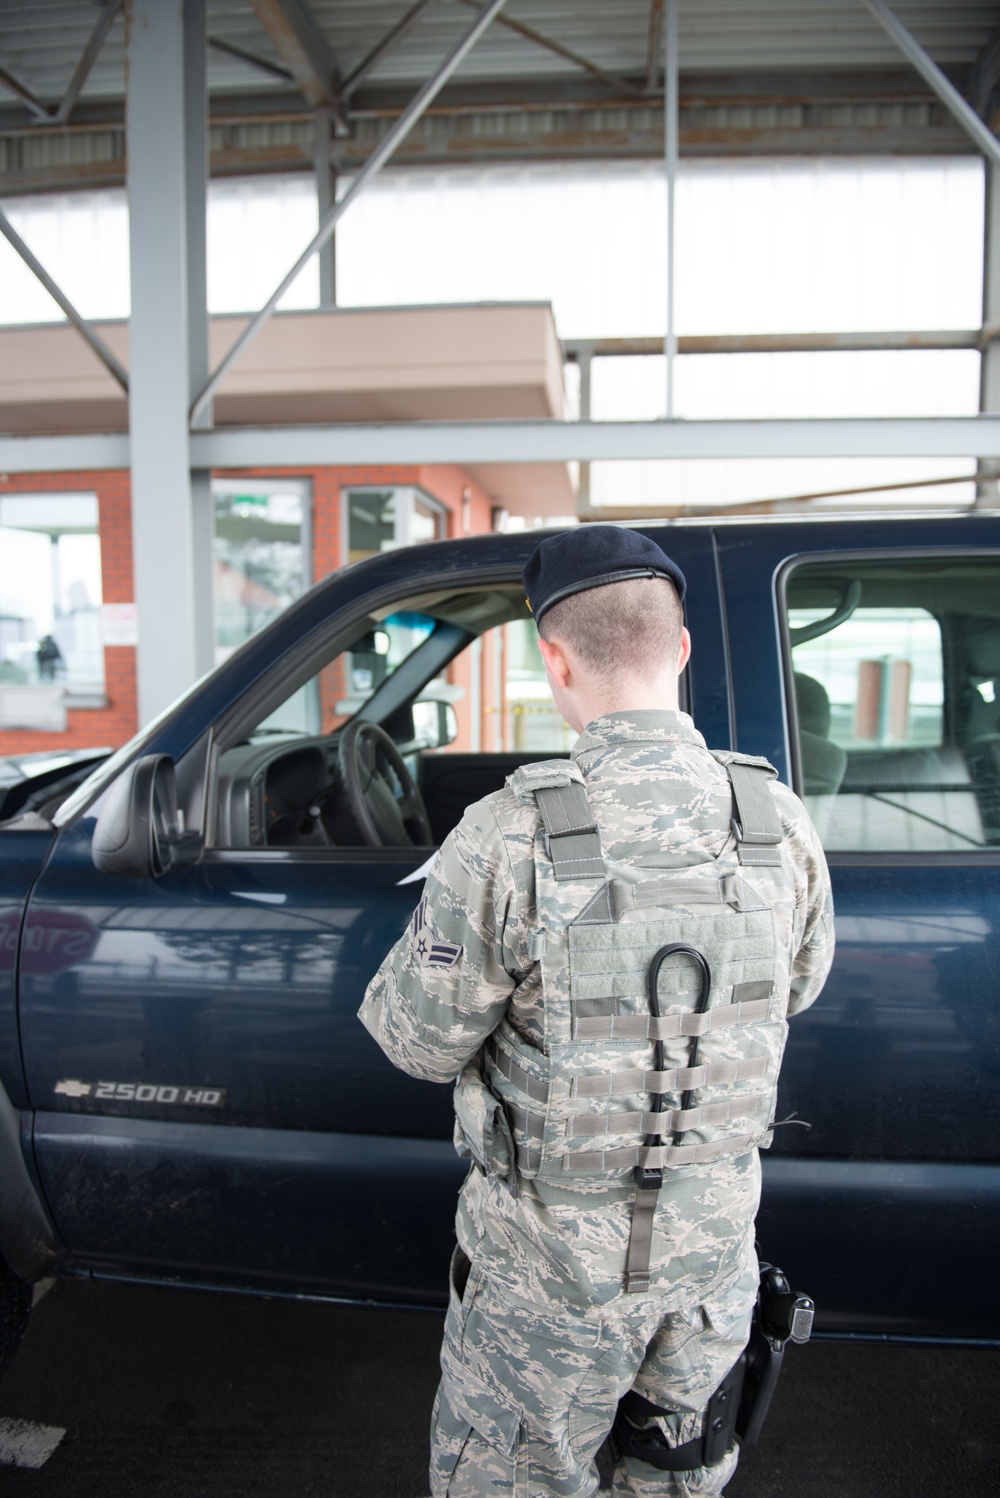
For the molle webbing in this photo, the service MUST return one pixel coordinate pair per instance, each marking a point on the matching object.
(680, 1079)
(659, 1156)
(653, 1157)
(674, 1120)
(571, 837)
(532, 1086)
(598, 1019)
(653, 894)
(756, 824)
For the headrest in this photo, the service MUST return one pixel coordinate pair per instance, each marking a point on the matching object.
(813, 705)
(983, 646)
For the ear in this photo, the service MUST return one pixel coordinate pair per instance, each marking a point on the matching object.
(685, 654)
(555, 660)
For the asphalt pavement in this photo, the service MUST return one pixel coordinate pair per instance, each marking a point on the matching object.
(171, 1394)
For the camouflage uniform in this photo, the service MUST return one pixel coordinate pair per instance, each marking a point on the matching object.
(541, 1339)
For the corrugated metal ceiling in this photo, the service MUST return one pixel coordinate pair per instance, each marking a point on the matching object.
(41, 41)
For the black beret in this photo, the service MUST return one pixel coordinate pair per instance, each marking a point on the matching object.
(590, 556)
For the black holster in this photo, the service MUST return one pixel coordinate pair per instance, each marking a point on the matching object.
(740, 1403)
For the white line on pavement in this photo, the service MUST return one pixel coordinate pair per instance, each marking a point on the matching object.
(25, 1444)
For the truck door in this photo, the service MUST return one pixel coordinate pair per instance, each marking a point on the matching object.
(869, 673)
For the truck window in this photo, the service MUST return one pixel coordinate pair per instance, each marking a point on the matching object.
(895, 702)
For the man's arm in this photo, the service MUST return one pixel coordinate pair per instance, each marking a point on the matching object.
(447, 982)
(813, 902)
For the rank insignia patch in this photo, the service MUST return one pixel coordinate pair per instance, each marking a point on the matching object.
(428, 950)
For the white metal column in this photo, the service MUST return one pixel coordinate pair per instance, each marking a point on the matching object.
(160, 349)
(671, 148)
(989, 380)
(199, 366)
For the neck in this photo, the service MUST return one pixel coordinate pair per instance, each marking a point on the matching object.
(660, 695)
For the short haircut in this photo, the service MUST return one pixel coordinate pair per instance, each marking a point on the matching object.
(623, 631)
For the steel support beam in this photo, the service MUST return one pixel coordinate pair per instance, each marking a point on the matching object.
(787, 343)
(654, 44)
(932, 74)
(394, 35)
(196, 209)
(585, 363)
(326, 197)
(529, 442)
(774, 506)
(984, 75)
(93, 338)
(84, 453)
(372, 166)
(164, 223)
(596, 441)
(671, 149)
(88, 57)
(613, 80)
(569, 119)
(305, 51)
(989, 371)
(275, 69)
(22, 92)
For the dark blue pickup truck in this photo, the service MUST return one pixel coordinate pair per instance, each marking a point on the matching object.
(187, 1096)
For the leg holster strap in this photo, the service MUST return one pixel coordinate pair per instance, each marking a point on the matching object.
(650, 1444)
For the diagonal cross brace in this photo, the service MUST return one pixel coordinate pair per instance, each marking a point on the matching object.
(932, 74)
(372, 166)
(96, 342)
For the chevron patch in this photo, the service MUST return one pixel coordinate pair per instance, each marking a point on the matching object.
(428, 950)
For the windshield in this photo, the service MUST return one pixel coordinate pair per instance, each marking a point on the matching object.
(348, 682)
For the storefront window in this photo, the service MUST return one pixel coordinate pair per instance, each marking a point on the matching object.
(261, 552)
(383, 519)
(50, 595)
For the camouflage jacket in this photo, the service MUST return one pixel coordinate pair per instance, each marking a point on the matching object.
(465, 963)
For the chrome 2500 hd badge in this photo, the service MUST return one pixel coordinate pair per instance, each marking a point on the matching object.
(144, 1092)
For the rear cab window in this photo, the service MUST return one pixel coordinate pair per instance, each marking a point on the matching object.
(894, 688)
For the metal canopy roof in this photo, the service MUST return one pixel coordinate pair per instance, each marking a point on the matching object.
(41, 42)
(757, 77)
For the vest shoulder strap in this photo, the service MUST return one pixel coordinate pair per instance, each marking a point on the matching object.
(727, 757)
(528, 779)
(572, 840)
(756, 823)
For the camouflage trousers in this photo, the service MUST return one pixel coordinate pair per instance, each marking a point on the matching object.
(527, 1397)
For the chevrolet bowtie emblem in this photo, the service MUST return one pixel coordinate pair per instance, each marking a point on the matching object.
(72, 1088)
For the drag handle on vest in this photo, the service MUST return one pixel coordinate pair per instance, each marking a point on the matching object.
(651, 1180)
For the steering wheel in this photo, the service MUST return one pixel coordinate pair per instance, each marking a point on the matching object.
(368, 760)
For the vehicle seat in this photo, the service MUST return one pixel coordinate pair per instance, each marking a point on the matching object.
(823, 762)
(982, 724)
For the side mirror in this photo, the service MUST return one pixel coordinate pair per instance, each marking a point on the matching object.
(447, 724)
(138, 832)
(434, 723)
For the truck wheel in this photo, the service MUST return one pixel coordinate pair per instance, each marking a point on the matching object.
(15, 1304)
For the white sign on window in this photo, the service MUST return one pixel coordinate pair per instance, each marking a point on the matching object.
(119, 625)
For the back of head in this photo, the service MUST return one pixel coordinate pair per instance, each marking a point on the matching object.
(611, 595)
(627, 631)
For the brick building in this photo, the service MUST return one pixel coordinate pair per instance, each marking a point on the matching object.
(66, 573)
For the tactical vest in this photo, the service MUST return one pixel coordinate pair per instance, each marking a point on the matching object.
(664, 997)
